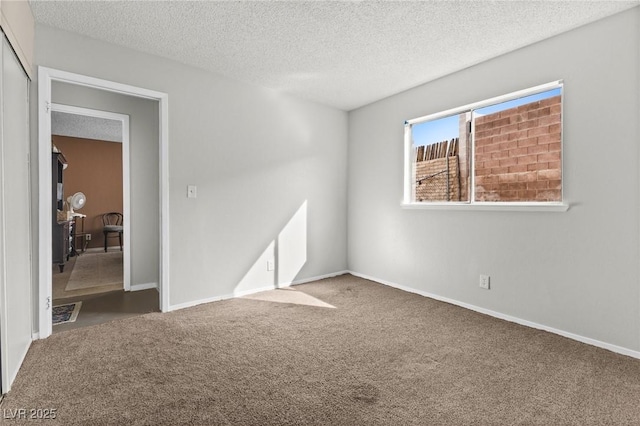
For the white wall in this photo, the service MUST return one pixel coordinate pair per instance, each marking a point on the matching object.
(144, 170)
(575, 271)
(270, 171)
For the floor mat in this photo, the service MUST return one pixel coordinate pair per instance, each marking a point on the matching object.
(66, 313)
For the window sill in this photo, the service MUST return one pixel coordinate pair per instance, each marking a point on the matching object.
(492, 206)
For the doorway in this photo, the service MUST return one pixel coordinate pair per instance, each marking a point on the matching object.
(96, 146)
(46, 78)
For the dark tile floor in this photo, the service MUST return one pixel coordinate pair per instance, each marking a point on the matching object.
(100, 308)
(100, 304)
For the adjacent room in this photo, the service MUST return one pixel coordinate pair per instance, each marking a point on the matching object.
(371, 212)
(90, 162)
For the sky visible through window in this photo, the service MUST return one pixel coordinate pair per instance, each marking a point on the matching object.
(447, 128)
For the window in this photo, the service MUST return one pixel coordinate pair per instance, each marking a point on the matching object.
(502, 151)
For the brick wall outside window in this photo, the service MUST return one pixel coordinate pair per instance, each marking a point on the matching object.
(518, 153)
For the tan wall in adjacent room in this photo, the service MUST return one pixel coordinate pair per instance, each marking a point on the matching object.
(95, 168)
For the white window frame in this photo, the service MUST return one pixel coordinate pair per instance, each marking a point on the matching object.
(407, 202)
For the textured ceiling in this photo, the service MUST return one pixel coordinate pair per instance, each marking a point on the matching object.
(80, 126)
(342, 54)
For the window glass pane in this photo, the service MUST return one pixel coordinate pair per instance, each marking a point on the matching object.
(518, 149)
(440, 159)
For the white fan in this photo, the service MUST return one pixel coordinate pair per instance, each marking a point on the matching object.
(76, 201)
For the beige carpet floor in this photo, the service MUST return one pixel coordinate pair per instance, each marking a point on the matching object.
(96, 269)
(375, 356)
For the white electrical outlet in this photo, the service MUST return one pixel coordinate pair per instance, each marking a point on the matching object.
(484, 282)
(87, 237)
(271, 265)
(192, 191)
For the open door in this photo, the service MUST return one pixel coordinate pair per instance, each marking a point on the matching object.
(15, 217)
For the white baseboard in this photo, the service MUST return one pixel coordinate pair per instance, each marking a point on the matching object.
(143, 286)
(577, 337)
(287, 284)
(199, 302)
(252, 291)
(319, 277)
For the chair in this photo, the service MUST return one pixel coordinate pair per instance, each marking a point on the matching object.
(112, 224)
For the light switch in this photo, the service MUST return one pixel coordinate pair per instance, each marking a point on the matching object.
(192, 191)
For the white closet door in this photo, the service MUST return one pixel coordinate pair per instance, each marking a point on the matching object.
(15, 229)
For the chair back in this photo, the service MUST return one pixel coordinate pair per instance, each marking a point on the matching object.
(112, 219)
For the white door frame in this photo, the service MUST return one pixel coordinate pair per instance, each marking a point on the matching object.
(126, 176)
(45, 77)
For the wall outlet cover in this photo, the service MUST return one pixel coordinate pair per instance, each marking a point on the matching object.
(485, 282)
